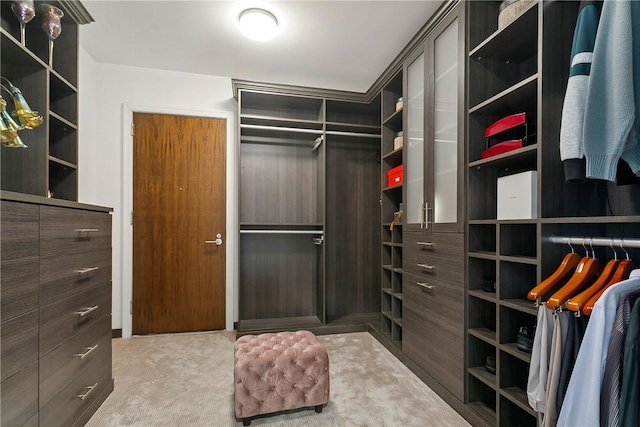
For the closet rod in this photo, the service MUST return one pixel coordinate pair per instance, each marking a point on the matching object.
(281, 232)
(597, 241)
(358, 134)
(284, 129)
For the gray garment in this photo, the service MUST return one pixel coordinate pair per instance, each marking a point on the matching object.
(560, 328)
(539, 367)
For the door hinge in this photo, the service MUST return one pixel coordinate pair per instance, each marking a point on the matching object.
(131, 218)
(131, 307)
(133, 128)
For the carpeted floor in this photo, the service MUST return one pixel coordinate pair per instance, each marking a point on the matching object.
(187, 380)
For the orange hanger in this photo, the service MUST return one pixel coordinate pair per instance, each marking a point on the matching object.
(585, 271)
(577, 302)
(567, 265)
(622, 273)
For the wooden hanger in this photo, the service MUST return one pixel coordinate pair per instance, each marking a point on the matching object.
(585, 271)
(622, 273)
(576, 303)
(567, 265)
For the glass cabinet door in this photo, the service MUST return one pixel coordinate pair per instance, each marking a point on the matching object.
(414, 164)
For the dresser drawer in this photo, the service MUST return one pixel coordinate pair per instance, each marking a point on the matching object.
(450, 270)
(20, 224)
(18, 286)
(64, 276)
(433, 330)
(19, 397)
(76, 397)
(19, 345)
(64, 319)
(64, 364)
(450, 245)
(73, 231)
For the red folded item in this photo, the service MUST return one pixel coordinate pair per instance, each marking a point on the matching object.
(502, 147)
(505, 123)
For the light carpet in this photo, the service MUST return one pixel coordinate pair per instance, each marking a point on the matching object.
(187, 380)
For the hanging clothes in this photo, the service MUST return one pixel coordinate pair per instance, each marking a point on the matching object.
(560, 329)
(581, 406)
(630, 393)
(612, 111)
(539, 367)
(612, 377)
(575, 333)
(571, 142)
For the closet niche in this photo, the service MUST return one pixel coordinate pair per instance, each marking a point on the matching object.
(309, 206)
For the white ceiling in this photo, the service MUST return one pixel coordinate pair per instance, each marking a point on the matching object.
(343, 45)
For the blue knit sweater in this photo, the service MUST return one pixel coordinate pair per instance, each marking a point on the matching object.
(612, 114)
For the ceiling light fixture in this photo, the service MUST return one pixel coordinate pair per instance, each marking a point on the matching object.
(258, 24)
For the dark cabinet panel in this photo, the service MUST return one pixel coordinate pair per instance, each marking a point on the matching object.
(20, 228)
(73, 231)
(19, 287)
(19, 343)
(19, 397)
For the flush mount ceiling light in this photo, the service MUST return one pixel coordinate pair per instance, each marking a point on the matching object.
(258, 24)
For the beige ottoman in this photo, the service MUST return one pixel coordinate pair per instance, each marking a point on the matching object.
(279, 371)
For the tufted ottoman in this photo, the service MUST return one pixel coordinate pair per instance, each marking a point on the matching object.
(279, 371)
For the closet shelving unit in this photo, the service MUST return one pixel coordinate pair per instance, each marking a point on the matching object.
(391, 258)
(308, 210)
(49, 166)
(523, 67)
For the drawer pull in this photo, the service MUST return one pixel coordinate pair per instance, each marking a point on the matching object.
(87, 230)
(86, 311)
(86, 270)
(89, 390)
(425, 244)
(88, 352)
(426, 266)
(424, 285)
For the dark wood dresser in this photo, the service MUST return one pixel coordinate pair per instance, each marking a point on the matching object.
(56, 310)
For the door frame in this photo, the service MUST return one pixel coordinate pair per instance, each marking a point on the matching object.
(231, 244)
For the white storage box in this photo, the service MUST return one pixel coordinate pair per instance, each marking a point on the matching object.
(518, 195)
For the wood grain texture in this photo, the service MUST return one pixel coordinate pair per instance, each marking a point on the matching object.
(179, 203)
(20, 230)
(432, 333)
(19, 287)
(63, 364)
(60, 277)
(60, 321)
(19, 397)
(447, 269)
(59, 235)
(19, 343)
(353, 212)
(278, 276)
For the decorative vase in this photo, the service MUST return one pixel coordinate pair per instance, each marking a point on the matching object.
(51, 25)
(24, 11)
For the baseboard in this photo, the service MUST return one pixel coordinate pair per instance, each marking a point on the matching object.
(116, 333)
(450, 399)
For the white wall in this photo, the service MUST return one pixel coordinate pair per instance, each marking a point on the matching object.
(107, 92)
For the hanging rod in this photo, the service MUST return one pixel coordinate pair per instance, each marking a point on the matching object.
(281, 232)
(597, 241)
(358, 134)
(283, 129)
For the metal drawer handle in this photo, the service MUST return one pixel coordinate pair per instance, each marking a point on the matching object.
(425, 266)
(88, 352)
(87, 230)
(426, 244)
(90, 389)
(86, 311)
(87, 270)
(317, 241)
(424, 285)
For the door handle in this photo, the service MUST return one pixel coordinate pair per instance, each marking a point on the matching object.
(218, 240)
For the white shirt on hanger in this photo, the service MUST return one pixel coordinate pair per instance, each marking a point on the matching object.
(581, 406)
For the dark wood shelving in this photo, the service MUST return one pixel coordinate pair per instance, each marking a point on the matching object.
(517, 159)
(484, 411)
(395, 154)
(519, 259)
(519, 397)
(487, 296)
(62, 162)
(395, 187)
(492, 256)
(512, 349)
(524, 306)
(394, 121)
(509, 100)
(485, 376)
(486, 335)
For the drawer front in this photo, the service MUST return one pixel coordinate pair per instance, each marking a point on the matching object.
(450, 270)
(73, 231)
(64, 319)
(20, 224)
(433, 331)
(18, 286)
(76, 397)
(64, 364)
(19, 346)
(450, 245)
(61, 277)
(19, 397)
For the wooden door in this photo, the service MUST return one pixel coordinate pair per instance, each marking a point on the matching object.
(179, 194)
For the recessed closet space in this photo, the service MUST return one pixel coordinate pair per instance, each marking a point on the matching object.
(309, 210)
